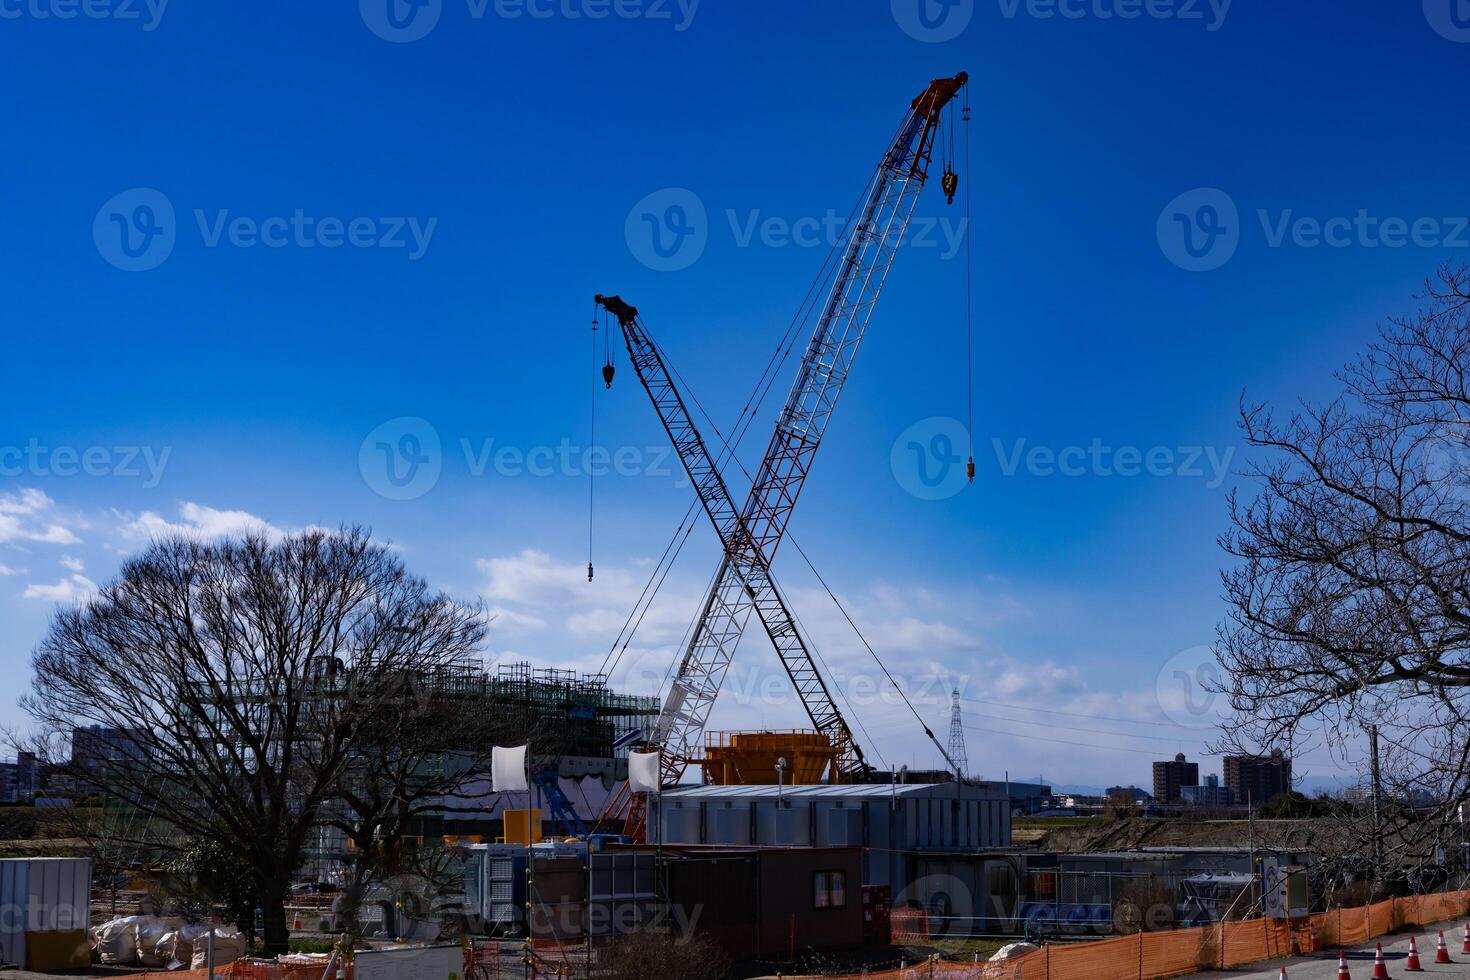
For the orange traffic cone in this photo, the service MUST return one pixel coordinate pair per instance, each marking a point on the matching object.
(1466, 948)
(296, 922)
(1442, 952)
(1342, 970)
(1316, 939)
(1380, 967)
(1296, 945)
(1283, 974)
(1412, 964)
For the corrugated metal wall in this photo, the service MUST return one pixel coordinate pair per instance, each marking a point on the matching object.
(42, 895)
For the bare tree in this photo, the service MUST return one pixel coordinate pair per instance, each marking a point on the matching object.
(1350, 602)
(246, 676)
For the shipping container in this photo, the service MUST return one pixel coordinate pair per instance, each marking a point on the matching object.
(42, 895)
(769, 903)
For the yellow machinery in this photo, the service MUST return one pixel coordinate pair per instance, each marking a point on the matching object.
(751, 758)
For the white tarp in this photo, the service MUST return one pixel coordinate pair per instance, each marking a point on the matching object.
(643, 772)
(438, 963)
(508, 769)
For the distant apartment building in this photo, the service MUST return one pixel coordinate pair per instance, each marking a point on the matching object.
(1171, 777)
(1210, 794)
(1255, 779)
(95, 746)
(18, 779)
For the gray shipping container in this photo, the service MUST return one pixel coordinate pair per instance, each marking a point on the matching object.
(41, 895)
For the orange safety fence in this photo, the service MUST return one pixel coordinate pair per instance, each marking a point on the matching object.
(1158, 955)
(1142, 956)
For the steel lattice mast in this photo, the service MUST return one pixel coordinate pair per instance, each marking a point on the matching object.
(958, 757)
(751, 537)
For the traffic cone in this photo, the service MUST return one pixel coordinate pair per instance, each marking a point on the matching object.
(1342, 969)
(1316, 939)
(1283, 974)
(296, 922)
(1466, 948)
(1442, 952)
(1412, 964)
(1380, 967)
(1296, 944)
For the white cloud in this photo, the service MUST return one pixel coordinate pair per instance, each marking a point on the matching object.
(73, 564)
(30, 515)
(27, 501)
(74, 588)
(535, 586)
(7, 570)
(502, 618)
(197, 520)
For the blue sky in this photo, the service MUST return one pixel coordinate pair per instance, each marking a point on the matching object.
(333, 224)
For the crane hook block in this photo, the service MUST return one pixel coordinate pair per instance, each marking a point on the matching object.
(951, 183)
(589, 571)
(607, 373)
(970, 469)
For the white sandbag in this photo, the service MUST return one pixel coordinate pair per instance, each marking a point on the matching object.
(229, 946)
(183, 945)
(1012, 951)
(151, 932)
(116, 941)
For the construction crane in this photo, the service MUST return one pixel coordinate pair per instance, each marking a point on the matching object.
(749, 585)
(752, 534)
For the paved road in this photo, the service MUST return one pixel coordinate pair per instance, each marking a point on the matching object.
(1323, 966)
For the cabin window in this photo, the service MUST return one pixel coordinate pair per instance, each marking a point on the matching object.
(829, 890)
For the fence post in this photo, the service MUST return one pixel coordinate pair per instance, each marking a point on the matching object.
(1140, 953)
(1047, 947)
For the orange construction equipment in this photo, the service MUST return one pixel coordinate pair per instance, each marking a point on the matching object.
(1342, 969)
(752, 758)
(1380, 966)
(1442, 952)
(1412, 964)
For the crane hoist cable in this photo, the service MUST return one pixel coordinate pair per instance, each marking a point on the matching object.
(592, 443)
(969, 293)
